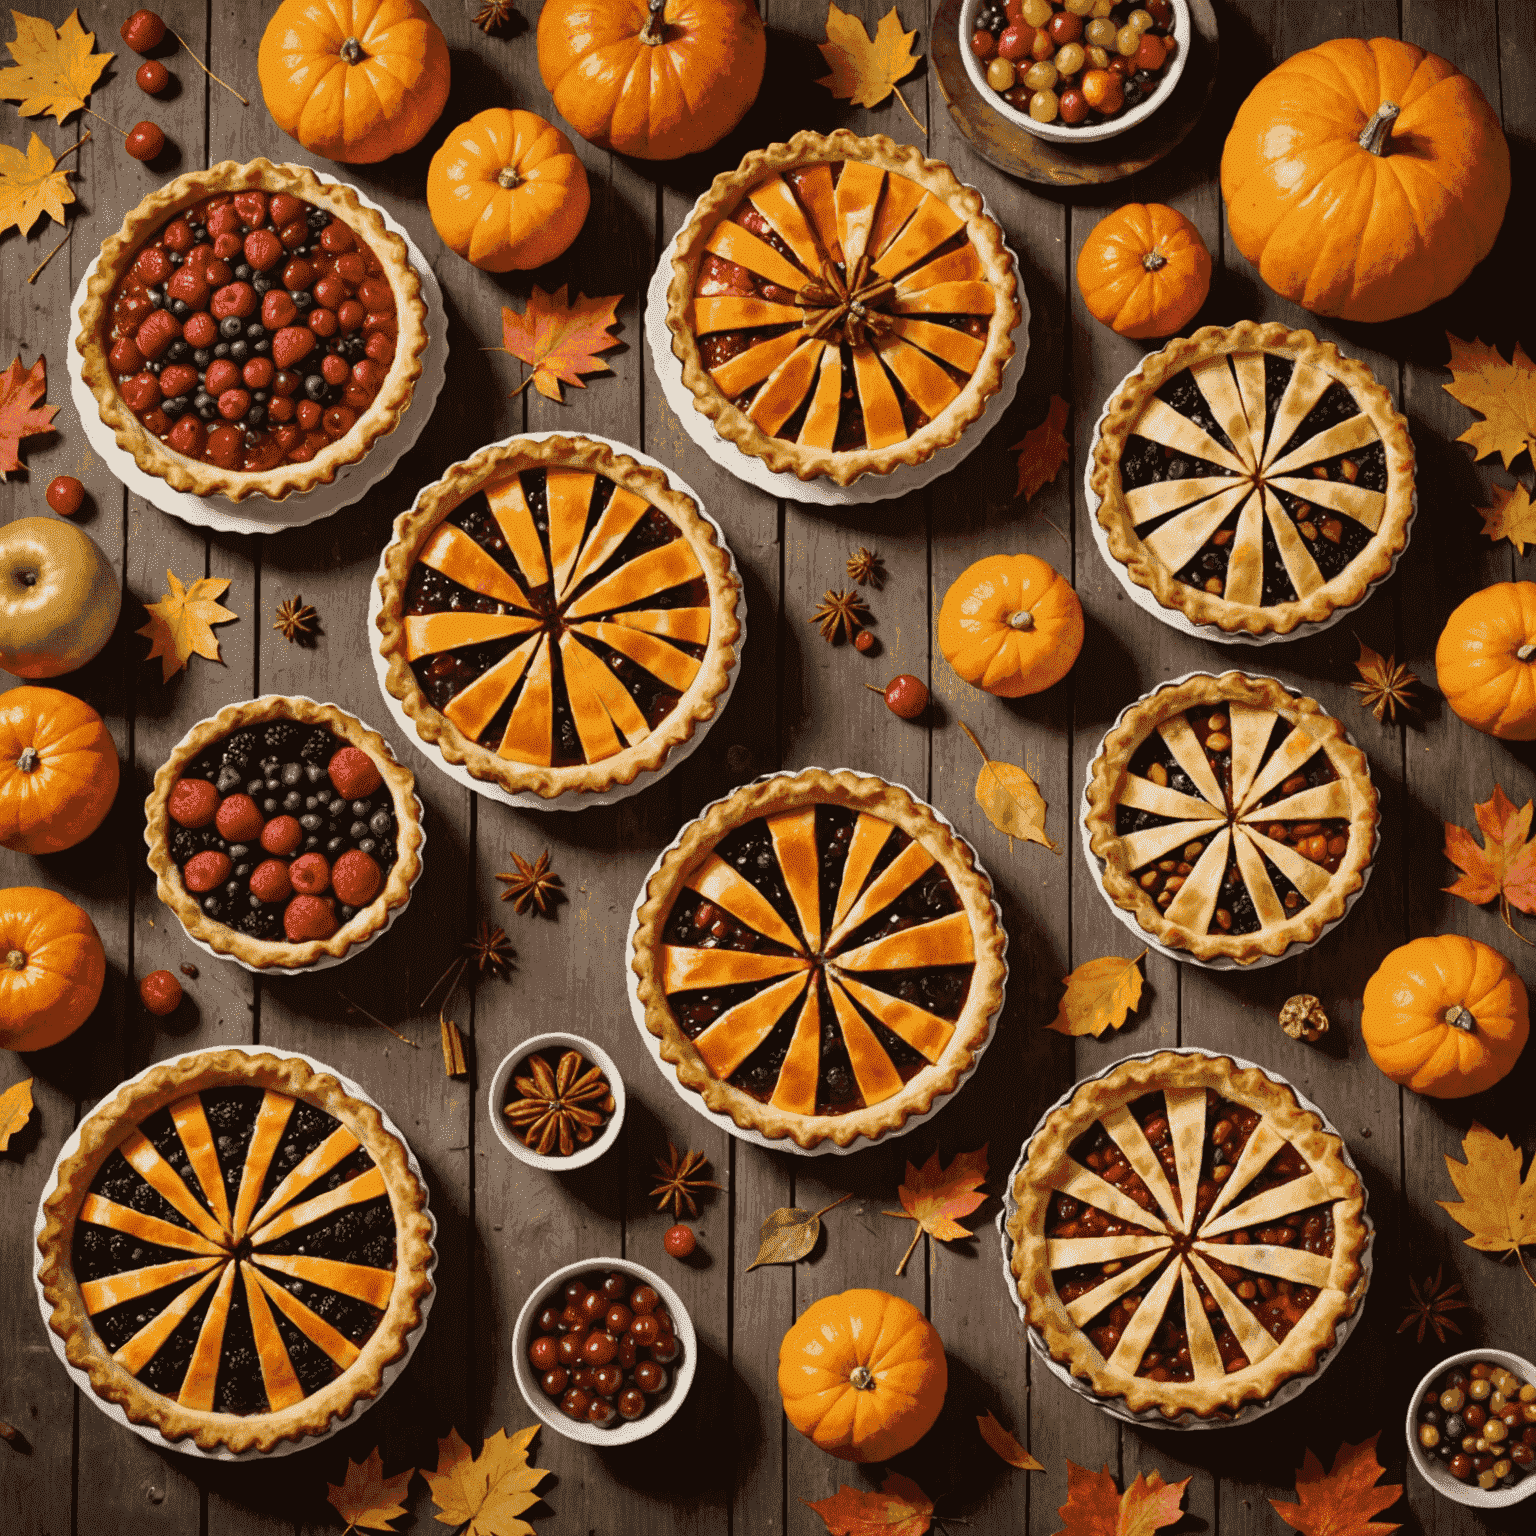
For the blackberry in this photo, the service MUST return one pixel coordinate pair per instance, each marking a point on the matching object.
(239, 749)
(317, 219)
(318, 748)
(264, 923)
(185, 844)
(280, 735)
(216, 907)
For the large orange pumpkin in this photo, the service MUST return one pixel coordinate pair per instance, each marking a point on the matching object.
(1011, 624)
(58, 770)
(1365, 179)
(52, 967)
(863, 1375)
(354, 80)
(652, 78)
(1485, 660)
(1144, 270)
(506, 191)
(1445, 1016)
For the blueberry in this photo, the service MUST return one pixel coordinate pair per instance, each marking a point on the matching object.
(202, 357)
(199, 234)
(260, 397)
(325, 794)
(244, 272)
(357, 829)
(303, 300)
(1455, 1427)
(254, 788)
(361, 808)
(231, 326)
(232, 889)
(367, 846)
(239, 850)
(180, 308)
(347, 913)
(315, 386)
(311, 844)
(255, 331)
(291, 773)
(256, 416)
(239, 351)
(269, 807)
(254, 899)
(154, 367)
(380, 823)
(272, 781)
(156, 296)
(310, 822)
(207, 410)
(293, 801)
(221, 349)
(213, 906)
(262, 283)
(176, 406)
(1432, 1416)
(333, 847)
(262, 347)
(177, 350)
(176, 258)
(243, 871)
(270, 766)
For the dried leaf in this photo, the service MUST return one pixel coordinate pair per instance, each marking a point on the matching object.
(789, 1234)
(20, 414)
(1503, 393)
(1011, 799)
(1384, 685)
(15, 1110)
(1343, 1501)
(1432, 1301)
(31, 185)
(1495, 1206)
(933, 1197)
(180, 623)
(1504, 868)
(1005, 1445)
(1096, 1507)
(1512, 516)
(54, 71)
(559, 341)
(865, 69)
(1042, 450)
(489, 1490)
(366, 1499)
(900, 1508)
(1100, 993)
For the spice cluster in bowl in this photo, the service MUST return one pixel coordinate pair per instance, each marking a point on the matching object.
(1480, 1421)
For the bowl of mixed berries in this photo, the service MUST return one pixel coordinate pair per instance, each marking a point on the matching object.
(1075, 71)
(1472, 1428)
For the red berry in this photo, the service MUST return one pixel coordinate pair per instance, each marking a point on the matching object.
(1016, 41)
(263, 249)
(863, 642)
(65, 495)
(355, 878)
(238, 819)
(310, 874)
(983, 44)
(234, 403)
(223, 446)
(222, 374)
(144, 141)
(187, 436)
(354, 774)
(178, 379)
(906, 696)
(257, 373)
(680, 1241)
(142, 31)
(1151, 55)
(153, 77)
(152, 265)
(250, 208)
(308, 917)
(282, 836)
(125, 356)
(192, 802)
(142, 392)
(334, 369)
(160, 992)
(205, 870)
(297, 274)
(321, 321)
(189, 282)
(285, 208)
(201, 330)
(377, 295)
(234, 299)
(270, 882)
(291, 344)
(277, 309)
(156, 333)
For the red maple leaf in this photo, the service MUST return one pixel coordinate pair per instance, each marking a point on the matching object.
(559, 341)
(933, 1197)
(1095, 1507)
(1342, 1501)
(901, 1508)
(1042, 450)
(20, 390)
(1504, 868)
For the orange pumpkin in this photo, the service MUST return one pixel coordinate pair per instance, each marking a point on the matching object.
(1365, 179)
(1445, 1016)
(863, 1375)
(354, 80)
(1485, 660)
(652, 78)
(52, 967)
(506, 191)
(1011, 625)
(1144, 270)
(58, 770)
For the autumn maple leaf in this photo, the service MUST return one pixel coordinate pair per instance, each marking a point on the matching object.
(31, 185)
(1042, 450)
(179, 623)
(1343, 1501)
(865, 69)
(490, 1490)
(54, 71)
(365, 1498)
(933, 1197)
(20, 415)
(1505, 866)
(1512, 516)
(559, 341)
(1096, 1507)
(1496, 1207)
(1503, 393)
(900, 1508)
(15, 1110)
(1100, 993)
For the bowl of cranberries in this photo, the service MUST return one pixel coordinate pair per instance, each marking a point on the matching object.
(604, 1352)
(1472, 1428)
(1075, 71)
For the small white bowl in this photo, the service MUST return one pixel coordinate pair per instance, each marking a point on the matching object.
(1056, 132)
(625, 1432)
(1432, 1470)
(497, 1098)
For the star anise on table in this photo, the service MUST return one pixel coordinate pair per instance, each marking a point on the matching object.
(296, 619)
(490, 950)
(682, 1179)
(866, 568)
(493, 15)
(1431, 1301)
(559, 1106)
(1385, 684)
(841, 615)
(532, 885)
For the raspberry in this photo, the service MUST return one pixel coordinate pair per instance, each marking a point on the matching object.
(205, 870)
(233, 299)
(270, 882)
(355, 878)
(309, 917)
(263, 249)
(282, 836)
(238, 819)
(192, 802)
(354, 774)
(310, 874)
(160, 992)
(201, 330)
(285, 208)
(251, 208)
(188, 283)
(188, 436)
(156, 333)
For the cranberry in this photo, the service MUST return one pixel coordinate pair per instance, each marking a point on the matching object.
(308, 917)
(575, 1403)
(251, 208)
(650, 1377)
(666, 1349)
(292, 344)
(65, 495)
(601, 1412)
(336, 237)
(376, 295)
(144, 141)
(334, 370)
(192, 802)
(322, 322)
(983, 44)
(1016, 41)
(142, 392)
(906, 696)
(608, 1379)
(616, 1286)
(205, 870)
(351, 315)
(679, 1241)
(554, 1382)
(152, 77)
(257, 373)
(331, 290)
(143, 31)
(178, 379)
(160, 993)
(631, 1404)
(159, 329)
(644, 1299)
(544, 1354)
(191, 283)
(125, 356)
(270, 882)
(617, 1319)
(645, 1330)
(599, 1348)
(152, 265)
(339, 420)
(238, 819)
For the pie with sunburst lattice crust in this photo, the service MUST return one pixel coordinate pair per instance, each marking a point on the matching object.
(1254, 478)
(236, 1251)
(1187, 1237)
(820, 957)
(841, 306)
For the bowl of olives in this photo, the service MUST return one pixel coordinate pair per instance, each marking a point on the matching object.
(1472, 1428)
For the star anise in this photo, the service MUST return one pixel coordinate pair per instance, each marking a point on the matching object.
(1385, 686)
(682, 1178)
(1431, 1301)
(866, 568)
(560, 1105)
(841, 615)
(296, 619)
(532, 885)
(493, 15)
(491, 950)
(848, 305)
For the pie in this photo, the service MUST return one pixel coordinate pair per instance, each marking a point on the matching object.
(1253, 478)
(820, 957)
(1231, 817)
(283, 832)
(841, 306)
(1187, 1237)
(250, 330)
(557, 617)
(236, 1251)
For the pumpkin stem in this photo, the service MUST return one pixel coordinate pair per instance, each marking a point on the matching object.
(1526, 651)
(1023, 619)
(1374, 137)
(651, 33)
(352, 51)
(28, 759)
(1154, 261)
(1460, 1017)
(862, 1378)
(16, 960)
(507, 177)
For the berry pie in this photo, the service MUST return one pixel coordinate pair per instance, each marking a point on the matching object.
(1230, 817)
(842, 306)
(236, 1251)
(1253, 478)
(283, 832)
(251, 329)
(1187, 1238)
(820, 957)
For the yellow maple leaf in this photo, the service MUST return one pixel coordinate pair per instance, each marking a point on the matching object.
(1495, 1206)
(30, 186)
(1005, 1444)
(15, 1110)
(1512, 517)
(365, 1498)
(179, 623)
(865, 69)
(1042, 450)
(1011, 799)
(54, 71)
(933, 1197)
(1504, 394)
(1100, 993)
(490, 1490)
(559, 341)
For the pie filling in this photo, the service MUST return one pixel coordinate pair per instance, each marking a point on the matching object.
(252, 331)
(818, 959)
(1255, 478)
(1187, 1237)
(556, 618)
(1232, 819)
(841, 306)
(236, 1251)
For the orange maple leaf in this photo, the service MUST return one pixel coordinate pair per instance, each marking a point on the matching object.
(15, 1110)
(1512, 516)
(179, 623)
(1504, 394)
(32, 186)
(54, 70)
(933, 1196)
(1096, 1507)
(900, 1508)
(865, 69)
(20, 390)
(1497, 1207)
(365, 1498)
(1505, 866)
(559, 341)
(1042, 450)
(1342, 1501)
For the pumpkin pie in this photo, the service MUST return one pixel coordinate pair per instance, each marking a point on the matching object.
(819, 957)
(1253, 478)
(1187, 1238)
(842, 306)
(236, 1251)
(556, 617)
(251, 330)
(1231, 817)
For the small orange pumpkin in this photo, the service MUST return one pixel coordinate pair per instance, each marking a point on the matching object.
(1445, 1016)
(506, 191)
(863, 1375)
(354, 80)
(652, 78)
(1144, 270)
(1485, 660)
(1012, 625)
(58, 770)
(52, 967)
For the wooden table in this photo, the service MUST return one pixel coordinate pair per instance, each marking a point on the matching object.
(729, 1463)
